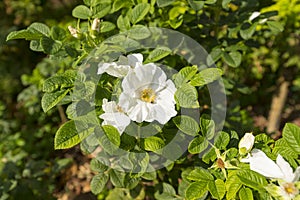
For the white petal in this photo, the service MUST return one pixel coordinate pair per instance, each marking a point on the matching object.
(261, 163)
(139, 112)
(117, 70)
(163, 114)
(296, 174)
(109, 106)
(247, 141)
(102, 67)
(135, 59)
(118, 120)
(285, 168)
(254, 15)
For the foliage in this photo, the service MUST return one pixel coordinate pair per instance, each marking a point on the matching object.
(198, 159)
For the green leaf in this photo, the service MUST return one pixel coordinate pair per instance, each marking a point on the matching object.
(118, 4)
(112, 133)
(68, 136)
(49, 100)
(275, 26)
(98, 183)
(220, 191)
(284, 149)
(139, 12)
(222, 140)
(217, 188)
(196, 5)
(34, 32)
(40, 28)
(81, 12)
(50, 46)
(139, 32)
(87, 2)
(245, 194)
(197, 145)
(186, 96)
(291, 134)
(35, 45)
(131, 182)
(252, 179)
(225, 4)
(164, 3)
(175, 23)
(23, 34)
(232, 184)
(98, 166)
(247, 30)
(127, 142)
(176, 11)
(123, 23)
(187, 125)
(196, 190)
(53, 83)
(200, 175)
(209, 156)
(106, 26)
(158, 53)
(184, 75)
(207, 126)
(150, 174)
(233, 59)
(168, 193)
(153, 143)
(101, 10)
(117, 178)
(58, 33)
(210, 1)
(206, 76)
(214, 56)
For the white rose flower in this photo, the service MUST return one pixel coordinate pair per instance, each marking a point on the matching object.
(114, 116)
(261, 163)
(122, 66)
(148, 95)
(281, 170)
(246, 143)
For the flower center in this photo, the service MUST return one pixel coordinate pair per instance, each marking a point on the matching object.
(119, 109)
(148, 95)
(290, 189)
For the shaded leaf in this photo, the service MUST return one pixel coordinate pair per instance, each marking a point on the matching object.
(98, 183)
(139, 12)
(50, 46)
(186, 96)
(187, 125)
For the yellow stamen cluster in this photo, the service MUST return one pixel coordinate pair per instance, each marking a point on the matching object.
(290, 188)
(148, 95)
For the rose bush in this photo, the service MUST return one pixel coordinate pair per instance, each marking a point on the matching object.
(153, 115)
